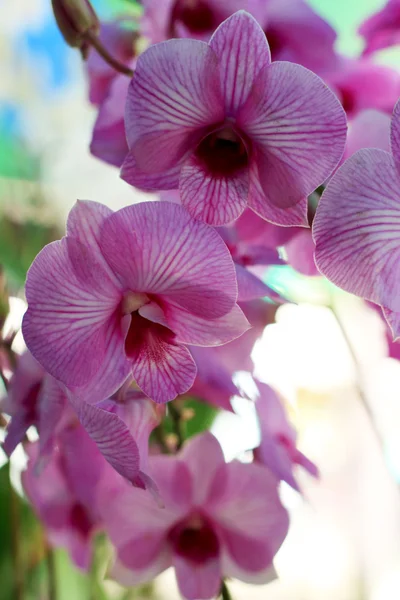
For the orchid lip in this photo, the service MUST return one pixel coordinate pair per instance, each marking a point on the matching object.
(195, 539)
(223, 151)
(132, 301)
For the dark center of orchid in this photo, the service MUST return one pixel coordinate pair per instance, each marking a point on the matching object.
(80, 519)
(195, 540)
(196, 15)
(347, 100)
(274, 42)
(31, 402)
(223, 152)
(141, 329)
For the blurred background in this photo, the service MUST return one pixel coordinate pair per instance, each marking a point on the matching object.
(338, 379)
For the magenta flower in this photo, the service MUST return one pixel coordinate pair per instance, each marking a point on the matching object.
(357, 226)
(361, 84)
(213, 383)
(191, 18)
(120, 426)
(118, 37)
(277, 449)
(64, 492)
(294, 31)
(298, 34)
(36, 399)
(383, 28)
(219, 520)
(242, 132)
(108, 89)
(124, 293)
(109, 140)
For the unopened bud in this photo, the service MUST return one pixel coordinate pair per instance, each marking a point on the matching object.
(75, 19)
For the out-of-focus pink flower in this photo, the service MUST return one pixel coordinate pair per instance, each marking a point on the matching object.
(64, 492)
(297, 34)
(191, 18)
(34, 398)
(213, 381)
(120, 426)
(357, 226)
(216, 366)
(361, 84)
(118, 37)
(242, 132)
(220, 520)
(277, 449)
(125, 293)
(368, 129)
(108, 89)
(382, 29)
(294, 31)
(109, 140)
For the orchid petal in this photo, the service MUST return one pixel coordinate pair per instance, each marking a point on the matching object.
(298, 128)
(251, 287)
(262, 205)
(167, 180)
(69, 326)
(112, 438)
(357, 228)
(162, 368)
(395, 135)
(198, 331)
(393, 319)
(253, 521)
(198, 581)
(214, 200)
(242, 51)
(166, 104)
(203, 456)
(157, 248)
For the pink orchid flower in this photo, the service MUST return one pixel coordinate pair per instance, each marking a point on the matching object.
(369, 129)
(36, 399)
(64, 492)
(357, 226)
(382, 29)
(242, 132)
(298, 34)
(108, 89)
(294, 31)
(361, 84)
(124, 293)
(191, 18)
(277, 449)
(120, 426)
(108, 139)
(220, 520)
(118, 37)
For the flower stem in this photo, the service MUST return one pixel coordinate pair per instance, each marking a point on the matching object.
(360, 388)
(176, 419)
(51, 574)
(225, 593)
(15, 547)
(94, 41)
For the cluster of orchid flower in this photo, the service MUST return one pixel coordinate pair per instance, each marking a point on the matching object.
(134, 311)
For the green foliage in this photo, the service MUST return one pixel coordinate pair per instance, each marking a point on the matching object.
(19, 244)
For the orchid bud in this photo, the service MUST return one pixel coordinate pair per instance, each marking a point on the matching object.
(75, 18)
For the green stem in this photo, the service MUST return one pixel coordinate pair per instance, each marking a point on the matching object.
(225, 593)
(176, 419)
(51, 574)
(94, 41)
(15, 549)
